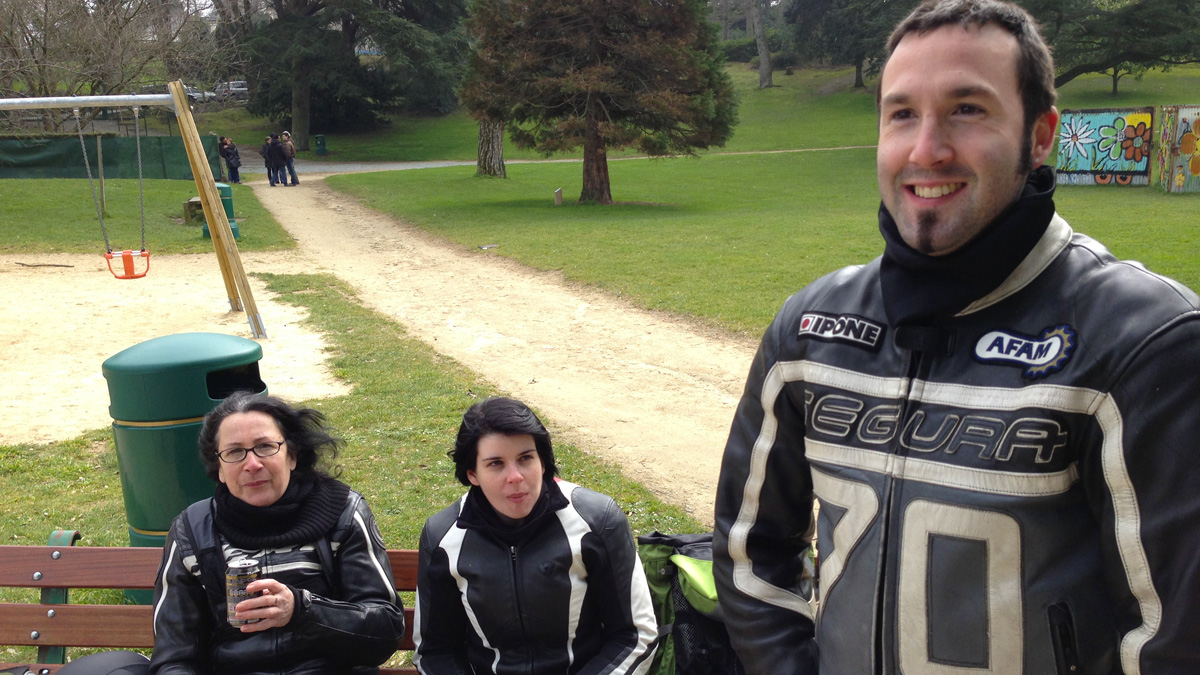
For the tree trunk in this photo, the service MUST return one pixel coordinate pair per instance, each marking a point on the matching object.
(301, 104)
(1115, 76)
(754, 17)
(491, 149)
(858, 75)
(596, 187)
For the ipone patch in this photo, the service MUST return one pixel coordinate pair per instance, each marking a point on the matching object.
(1039, 356)
(847, 328)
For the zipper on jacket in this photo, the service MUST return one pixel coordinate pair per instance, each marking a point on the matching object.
(516, 595)
(885, 535)
(512, 557)
(1062, 635)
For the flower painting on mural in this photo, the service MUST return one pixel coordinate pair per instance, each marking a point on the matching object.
(1105, 147)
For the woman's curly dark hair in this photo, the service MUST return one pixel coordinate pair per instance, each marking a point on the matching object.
(498, 416)
(308, 439)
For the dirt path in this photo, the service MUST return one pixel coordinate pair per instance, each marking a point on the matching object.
(652, 394)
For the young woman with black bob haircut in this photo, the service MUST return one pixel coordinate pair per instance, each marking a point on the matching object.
(326, 602)
(523, 573)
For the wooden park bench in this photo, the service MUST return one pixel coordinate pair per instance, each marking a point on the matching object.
(54, 624)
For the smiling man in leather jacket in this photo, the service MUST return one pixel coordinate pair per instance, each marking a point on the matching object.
(997, 415)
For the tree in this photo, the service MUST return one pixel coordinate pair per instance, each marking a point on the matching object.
(80, 47)
(601, 74)
(754, 21)
(311, 52)
(1096, 36)
(490, 161)
(726, 13)
(847, 32)
(1123, 69)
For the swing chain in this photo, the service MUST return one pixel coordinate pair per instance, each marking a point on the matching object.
(95, 200)
(141, 188)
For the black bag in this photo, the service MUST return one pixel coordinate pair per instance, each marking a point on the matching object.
(235, 158)
(693, 639)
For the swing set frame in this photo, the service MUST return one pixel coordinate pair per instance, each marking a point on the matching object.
(237, 285)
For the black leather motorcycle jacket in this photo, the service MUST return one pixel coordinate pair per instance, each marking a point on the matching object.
(347, 617)
(1008, 488)
(569, 598)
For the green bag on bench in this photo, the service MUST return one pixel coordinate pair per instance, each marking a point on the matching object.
(693, 639)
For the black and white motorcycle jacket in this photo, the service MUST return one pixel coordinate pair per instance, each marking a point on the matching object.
(347, 617)
(571, 597)
(1010, 488)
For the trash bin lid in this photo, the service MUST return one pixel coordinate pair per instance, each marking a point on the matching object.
(168, 378)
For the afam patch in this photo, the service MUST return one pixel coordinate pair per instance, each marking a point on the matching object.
(1040, 355)
(847, 328)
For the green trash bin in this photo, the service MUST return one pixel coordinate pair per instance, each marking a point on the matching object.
(226, 201)
(319, 144)
(159, 392)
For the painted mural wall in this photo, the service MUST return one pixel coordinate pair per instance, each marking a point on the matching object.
(1177, 154)
(1105, 147)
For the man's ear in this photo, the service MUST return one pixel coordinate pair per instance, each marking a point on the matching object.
(1044, 131)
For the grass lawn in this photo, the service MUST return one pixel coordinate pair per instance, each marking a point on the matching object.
(727, 238)
(1179, 86)
(57, 215)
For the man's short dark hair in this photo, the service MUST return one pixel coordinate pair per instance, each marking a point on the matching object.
(498, 415)
(1035, 66)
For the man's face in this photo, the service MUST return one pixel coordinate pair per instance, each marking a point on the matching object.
(952, 143)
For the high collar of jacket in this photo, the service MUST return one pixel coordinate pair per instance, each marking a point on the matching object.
(307, 510)
(478, 514)
(919, 288)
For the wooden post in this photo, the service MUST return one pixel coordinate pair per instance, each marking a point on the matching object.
(214, 211)
(558, 197)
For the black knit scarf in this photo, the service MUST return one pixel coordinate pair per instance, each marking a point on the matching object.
(919, 287)
(308, 509)
(478, 514)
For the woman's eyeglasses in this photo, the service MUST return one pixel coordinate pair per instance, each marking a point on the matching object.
(264, 449)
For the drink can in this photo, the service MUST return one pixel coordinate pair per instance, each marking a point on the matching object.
(238, 575)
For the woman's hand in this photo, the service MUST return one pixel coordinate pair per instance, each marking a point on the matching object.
(272, 603)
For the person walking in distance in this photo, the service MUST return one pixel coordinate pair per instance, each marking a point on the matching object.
(290, 148)
(233, 158)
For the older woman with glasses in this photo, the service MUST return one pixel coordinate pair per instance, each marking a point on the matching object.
(325, 601)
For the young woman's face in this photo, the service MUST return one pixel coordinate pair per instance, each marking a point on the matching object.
(509, 471)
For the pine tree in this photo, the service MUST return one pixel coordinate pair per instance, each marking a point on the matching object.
(602, 74)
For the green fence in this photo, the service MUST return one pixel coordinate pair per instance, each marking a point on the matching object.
(162, 157)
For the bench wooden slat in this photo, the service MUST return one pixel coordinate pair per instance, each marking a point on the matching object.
(112, 626)
(404, 568)
(406, 642)
(98, 626)
(123, 567)
(79, 566)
